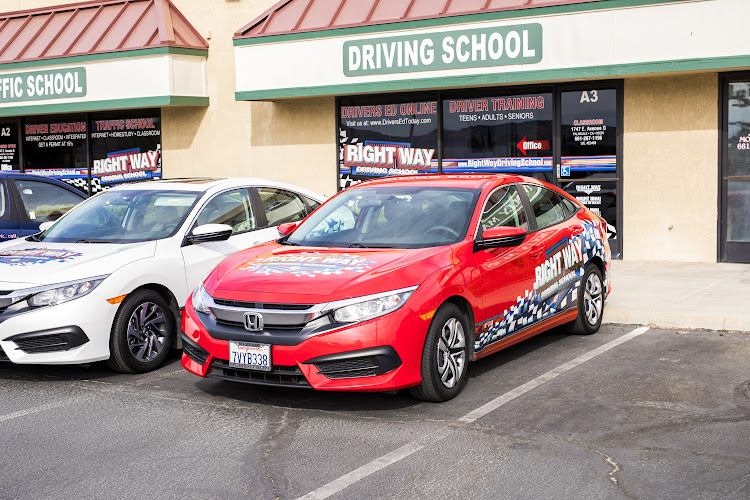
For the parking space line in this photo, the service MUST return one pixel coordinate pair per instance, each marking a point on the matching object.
(31, 411)
(550, 375)
(369, 468)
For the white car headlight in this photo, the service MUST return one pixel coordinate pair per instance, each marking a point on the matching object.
(200, 296)
(371, 306)
(57, 294)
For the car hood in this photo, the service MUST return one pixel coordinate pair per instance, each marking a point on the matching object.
(41, 263)
(309, 275)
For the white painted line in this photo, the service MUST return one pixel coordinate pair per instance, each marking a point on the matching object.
(347, 480)
(356, 475)
(552, 374)
(31, 411)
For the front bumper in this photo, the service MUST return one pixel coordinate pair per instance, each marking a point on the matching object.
(382, 354)
(70, 333)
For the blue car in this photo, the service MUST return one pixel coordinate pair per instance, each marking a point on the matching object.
(26, 201)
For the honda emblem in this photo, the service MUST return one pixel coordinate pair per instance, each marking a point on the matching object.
(253, 322)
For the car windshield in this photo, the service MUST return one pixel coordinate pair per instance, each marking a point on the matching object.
(389, 217)
(121, 216)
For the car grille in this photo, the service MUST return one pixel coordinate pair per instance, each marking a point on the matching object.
(44, 343)
(349, 368)
(195, 352)
(286, 376)
(239, 324)
(3, 356)
(258, 305)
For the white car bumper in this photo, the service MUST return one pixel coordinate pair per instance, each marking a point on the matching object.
(70, 333)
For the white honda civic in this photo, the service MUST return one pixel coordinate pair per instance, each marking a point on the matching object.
(108, 279)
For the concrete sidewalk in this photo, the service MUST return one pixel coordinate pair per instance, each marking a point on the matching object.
(680, 295)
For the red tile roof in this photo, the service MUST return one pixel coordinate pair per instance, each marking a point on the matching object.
(93, 28)
(294, 16)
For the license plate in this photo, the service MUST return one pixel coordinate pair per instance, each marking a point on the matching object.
(250, 356)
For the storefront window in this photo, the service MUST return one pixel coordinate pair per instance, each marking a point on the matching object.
(499, 134)
(588, 152)
(55, 146)
(9, 150)
(385, 137)
(125, 147)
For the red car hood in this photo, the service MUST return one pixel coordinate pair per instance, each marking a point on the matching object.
(275, 273)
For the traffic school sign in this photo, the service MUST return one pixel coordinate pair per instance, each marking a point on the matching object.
(40, 85)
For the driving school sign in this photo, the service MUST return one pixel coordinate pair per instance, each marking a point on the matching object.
(41, 85)
(474, 48)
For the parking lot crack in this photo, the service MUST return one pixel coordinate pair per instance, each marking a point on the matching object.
(615, 466)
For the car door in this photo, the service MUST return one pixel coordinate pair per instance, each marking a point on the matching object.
(233, 207)
(42, 201)
(555, 276)
(506, 275)
(9, 226)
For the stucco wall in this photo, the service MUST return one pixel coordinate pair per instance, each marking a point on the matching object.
(671, 168)
(287, 141)
(291, 141)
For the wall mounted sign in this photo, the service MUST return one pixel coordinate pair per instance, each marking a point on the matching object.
(42, 85)
(474, 48)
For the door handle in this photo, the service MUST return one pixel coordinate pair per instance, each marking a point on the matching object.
(576, 231)
(536, 250)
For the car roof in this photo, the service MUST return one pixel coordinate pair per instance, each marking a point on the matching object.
(205, 184)
(472, 181)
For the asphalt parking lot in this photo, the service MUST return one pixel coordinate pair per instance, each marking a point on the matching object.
(627, 413)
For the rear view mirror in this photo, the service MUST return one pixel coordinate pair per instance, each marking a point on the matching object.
(210, 232)
(500, 237)
(287, 228)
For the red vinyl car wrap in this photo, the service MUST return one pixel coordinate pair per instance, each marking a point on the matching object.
(400, 283)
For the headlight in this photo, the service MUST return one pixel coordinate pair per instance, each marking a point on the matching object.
(200, 295)
(371, 306)
(64, 293)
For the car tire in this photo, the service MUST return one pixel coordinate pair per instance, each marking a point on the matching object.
(590, 303)
(142, 333)
(445, 356)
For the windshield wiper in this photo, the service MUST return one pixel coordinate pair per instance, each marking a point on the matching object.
(289, 243)
(373, 245)
(92, 241)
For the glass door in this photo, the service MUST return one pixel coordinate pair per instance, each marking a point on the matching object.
(734, 241)
(588, 162)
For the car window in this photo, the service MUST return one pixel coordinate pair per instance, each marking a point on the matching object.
(545, 204)
(312, 203)
(572, 207)
(503, 208)
(3, 200)
(281, 206)
(233, 208)
(389, 217)
(44, 201)
(125, 216)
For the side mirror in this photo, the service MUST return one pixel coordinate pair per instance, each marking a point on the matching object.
(210, 232)
(46, 225)
(287, 228)
(500, 237)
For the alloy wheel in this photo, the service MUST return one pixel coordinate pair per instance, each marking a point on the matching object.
(451, 353)
(147, 329)
(592, 299)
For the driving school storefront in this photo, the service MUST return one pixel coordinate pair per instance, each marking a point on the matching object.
(615, 101)
(82, 89)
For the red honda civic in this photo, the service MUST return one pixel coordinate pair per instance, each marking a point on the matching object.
(399, 283)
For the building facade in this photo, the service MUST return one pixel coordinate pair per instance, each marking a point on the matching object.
(636, 107)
